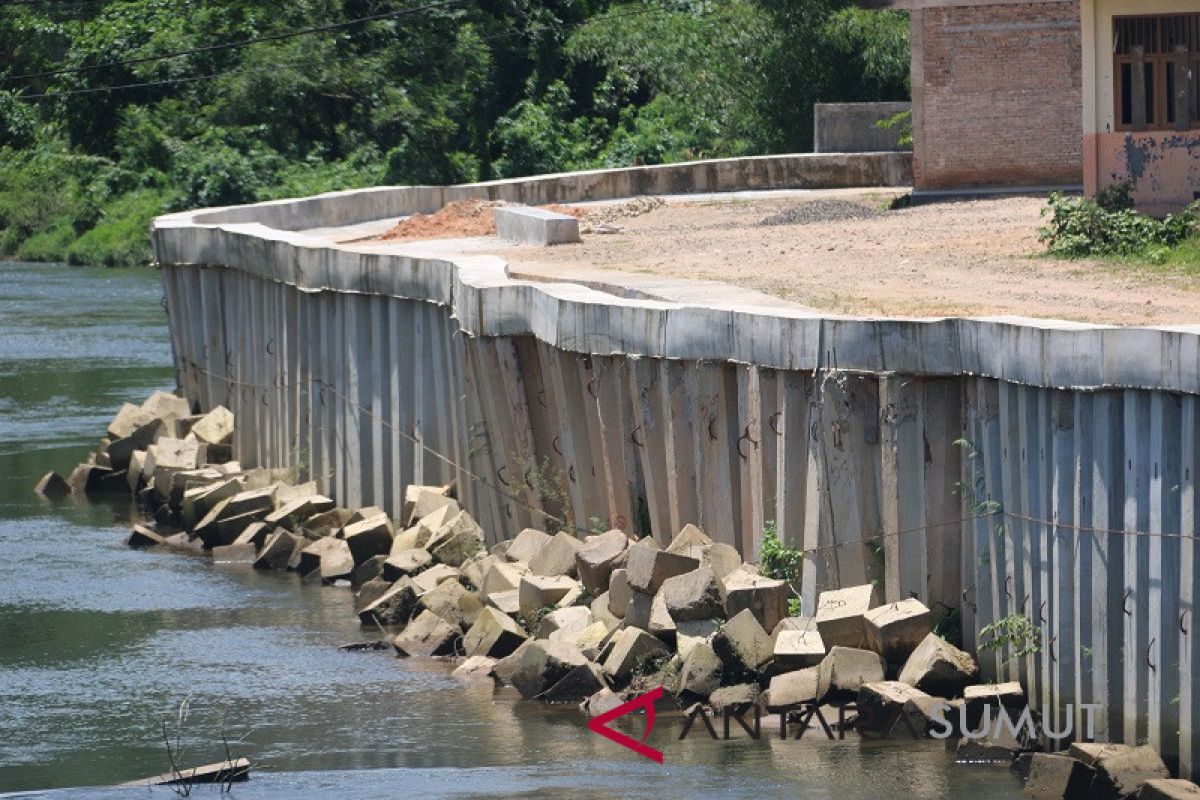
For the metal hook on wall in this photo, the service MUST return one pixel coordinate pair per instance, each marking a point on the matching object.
(772, 421)
(633, 437)
(591, 387)
(556, 445)
(500, 474)
(1125, 602)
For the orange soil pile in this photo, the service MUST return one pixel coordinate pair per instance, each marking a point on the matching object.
(461, 218)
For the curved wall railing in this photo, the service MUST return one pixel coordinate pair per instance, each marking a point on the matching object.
(988, 466)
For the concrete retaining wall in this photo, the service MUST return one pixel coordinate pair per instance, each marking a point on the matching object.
(854, 127)
(991, 466)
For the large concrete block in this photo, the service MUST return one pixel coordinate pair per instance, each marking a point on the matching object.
(406, 562)
(494, 634)
(167, 407)
(215, 427)
(544, 664)
(1120, 768)
(1057, 777)
(277, 550)
(562, 623)
(577, 685)
(841, 616)
(128, 419)
(619, 593)
(648, 567)
(939, 668)
(535, 226)
(766, 598)
(429, 525)
(453, 602)
(701, 672)
(693, 595)
(428, 635)
(420, 501)
(543, 591)
(329, 558)
(633, 650)
(369, 537)
(598, 557)
(743, 646)
(457, 541)
(292, 514)
(427, 579)
(527, 544)
(395, 606)
(502, 577)
(880, 703)
(1168, 789)
(557, 556)
(895, 629)
(790, 689)
(688, 537)
(844, 671)
(798, 644)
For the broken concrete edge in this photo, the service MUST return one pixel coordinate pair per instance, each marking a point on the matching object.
(679, 319)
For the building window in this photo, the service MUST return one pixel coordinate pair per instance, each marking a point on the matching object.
(1156, 69)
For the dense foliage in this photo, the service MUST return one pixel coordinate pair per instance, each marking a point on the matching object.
(1108, 225)
(424, 91)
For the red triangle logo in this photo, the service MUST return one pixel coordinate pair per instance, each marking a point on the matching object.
(600, 724)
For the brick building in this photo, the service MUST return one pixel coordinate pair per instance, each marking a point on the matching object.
(1009, 93)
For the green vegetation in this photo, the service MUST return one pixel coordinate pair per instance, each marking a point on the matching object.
(1107, 226)
(113, 111)
(781, 562)
(1014, 636)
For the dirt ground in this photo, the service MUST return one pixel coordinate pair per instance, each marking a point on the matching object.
(842, 252)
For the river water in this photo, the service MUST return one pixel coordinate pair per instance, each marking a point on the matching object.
(99, 644)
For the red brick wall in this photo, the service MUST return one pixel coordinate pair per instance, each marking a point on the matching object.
(999, 95)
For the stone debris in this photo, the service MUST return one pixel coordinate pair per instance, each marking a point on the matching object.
(592, 620)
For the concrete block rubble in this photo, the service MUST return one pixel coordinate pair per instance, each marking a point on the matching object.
(594, 619)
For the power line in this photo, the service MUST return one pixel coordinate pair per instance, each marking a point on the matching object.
(274, 37)
(650, 13)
